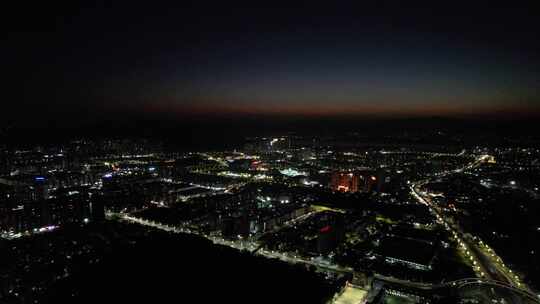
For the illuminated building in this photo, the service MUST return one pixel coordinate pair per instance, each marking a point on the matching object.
(292, 172)
(41, 188)
(358, 181)
(370, 182)
(410, 253)
(345, 181)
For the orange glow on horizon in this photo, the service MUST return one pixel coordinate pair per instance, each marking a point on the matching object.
(339, 110)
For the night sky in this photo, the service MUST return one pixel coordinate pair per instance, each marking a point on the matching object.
(100, 61)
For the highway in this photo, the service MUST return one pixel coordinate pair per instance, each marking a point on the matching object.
(480, 269)
(485, 262)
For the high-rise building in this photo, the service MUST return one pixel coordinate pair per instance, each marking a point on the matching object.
(97, 208)
(345, 181)
(235, 225)
(331, 235)
(357, 181)
(370, 183)
(41, 188)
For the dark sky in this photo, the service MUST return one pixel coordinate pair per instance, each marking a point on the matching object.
(102, 61)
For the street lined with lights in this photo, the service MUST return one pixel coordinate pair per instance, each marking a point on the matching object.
(485, 263)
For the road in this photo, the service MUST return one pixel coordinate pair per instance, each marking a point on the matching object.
(486, 263)
(480, 268)
(239, 244)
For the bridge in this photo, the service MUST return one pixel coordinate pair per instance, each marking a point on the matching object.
(467, 282)
(459, 285)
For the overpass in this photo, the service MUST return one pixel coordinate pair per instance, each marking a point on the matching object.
(459, 285)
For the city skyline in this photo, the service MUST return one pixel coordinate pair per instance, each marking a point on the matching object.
(340, 152)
